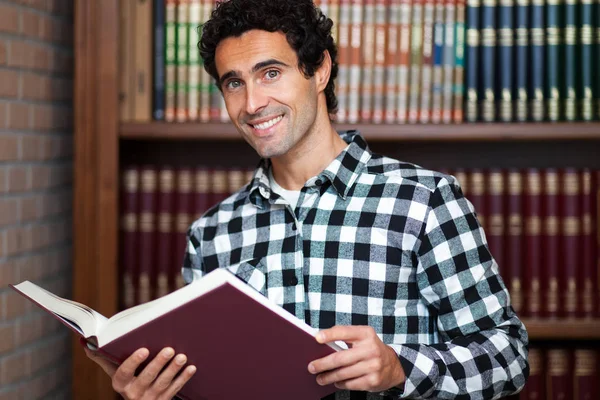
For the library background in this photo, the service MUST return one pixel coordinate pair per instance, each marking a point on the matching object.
(503, 95)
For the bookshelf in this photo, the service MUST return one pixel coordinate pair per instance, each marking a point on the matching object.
(102, 144)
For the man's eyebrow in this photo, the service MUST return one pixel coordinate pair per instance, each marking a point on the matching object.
(255, 68)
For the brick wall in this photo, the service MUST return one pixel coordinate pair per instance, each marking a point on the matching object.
(36, 144)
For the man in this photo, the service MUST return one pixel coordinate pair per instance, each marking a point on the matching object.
(383, 255)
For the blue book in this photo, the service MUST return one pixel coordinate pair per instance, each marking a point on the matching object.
(568, 89)
(505, 50)
(586, 60)
(472, 61)
(488, 60)
(553, 35)
(521, 59)
(538, 61)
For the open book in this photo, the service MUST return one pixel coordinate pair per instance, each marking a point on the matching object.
(243, 345)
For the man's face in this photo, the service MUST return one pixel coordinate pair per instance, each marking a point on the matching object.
(268, 99)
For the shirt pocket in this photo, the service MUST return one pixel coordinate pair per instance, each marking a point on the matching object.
(252, 272)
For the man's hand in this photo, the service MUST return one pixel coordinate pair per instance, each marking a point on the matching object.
(151, 383)
(368, 364)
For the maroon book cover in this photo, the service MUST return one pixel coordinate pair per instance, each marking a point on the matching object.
(184, 209)
(596, 219)
(165, 225)
(202, 186)
(532, 207)
(535, 387)
(243, 345)
(129, 247)
(570, 239)
(477, 190)
(235, 179)
(147, 250)
(558, 375)
(585, 380)
(514, 241)
(588, 271)
(551, 243)
(220, 185)
(495, 218)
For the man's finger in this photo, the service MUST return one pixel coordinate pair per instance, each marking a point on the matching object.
(337, 360)
(125, 373)
(165, 379)
(343, 374)
(181, 380)
(108, 366)
(151, 371)
(344, 333)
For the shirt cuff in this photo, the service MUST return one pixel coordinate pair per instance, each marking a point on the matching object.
(421, 372)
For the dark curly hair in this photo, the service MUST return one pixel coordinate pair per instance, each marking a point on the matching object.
(307, 30)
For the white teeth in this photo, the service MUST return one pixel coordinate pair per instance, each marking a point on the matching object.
(268, 124)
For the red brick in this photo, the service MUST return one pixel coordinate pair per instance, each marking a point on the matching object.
(3, 115)
(30, 268)
(30, 24)
(11, 393)
(14, 305)
(19, 240)
(41, 237)
(41, 177)
(18, 179)
(10, 84)
(3, 52)
(20, 54)
(7, 338)
(19, 116)
(28, 209)
(8, 273)
(9, 148)
(34, 87)
(14, 367)
(2, 182)
(29, 148)
(9, 19)
(29, 330)
(8, 212)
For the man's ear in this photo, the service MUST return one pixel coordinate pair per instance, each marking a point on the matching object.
(323, 72)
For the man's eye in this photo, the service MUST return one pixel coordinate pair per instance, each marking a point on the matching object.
(233, 84)
(272, 74)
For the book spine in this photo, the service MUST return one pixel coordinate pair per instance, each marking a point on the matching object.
(184, 214)
(406, 7)
(416, 55)
(235, 180)
(496, 214)
(170, 59)
(334, 14)
(126, 66)
(427, 62)
(514, 252)
(202, 186)
(379, 72)
(570, 233)
(538, 61)
(392, 60)
(586, 59)
(533, 242)
(505, 50)
(588, 251)
(472, 55)
(477, 191)
(459, 62)
(597, 59)
(193, 89)
(367, 66)
(343, 81)
(205, 78)
(438, 68)
(586, 374)
(355, 61)
(535, 387)
(183, 7)
(165, 225)
(569, 93)
(488, 60)
(220, 186)
(143, 61)
(129, 234)
(551, 242)
(521, 60)
(448, 60)
(147, 233)
(158, 98)
(559, 374)
(553, 34)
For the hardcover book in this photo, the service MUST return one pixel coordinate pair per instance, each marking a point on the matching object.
(243, 345)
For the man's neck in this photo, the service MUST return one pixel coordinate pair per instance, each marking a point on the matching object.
(292, 170)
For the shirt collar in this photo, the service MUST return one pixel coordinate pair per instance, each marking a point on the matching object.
(341, 172)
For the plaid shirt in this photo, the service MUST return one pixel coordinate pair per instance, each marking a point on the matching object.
(386, 244)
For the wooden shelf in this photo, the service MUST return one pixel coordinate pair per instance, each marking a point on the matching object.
(563, 329)
(373, 132)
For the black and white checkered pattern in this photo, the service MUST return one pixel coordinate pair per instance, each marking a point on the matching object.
(386, 244)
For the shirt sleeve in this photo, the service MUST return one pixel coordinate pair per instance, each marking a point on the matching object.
(192, 257)
(482, 352)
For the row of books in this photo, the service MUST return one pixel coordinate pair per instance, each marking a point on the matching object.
(400, 61)
(562, 373)
(541, 226)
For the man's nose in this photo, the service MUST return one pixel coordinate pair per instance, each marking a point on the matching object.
(256, 99)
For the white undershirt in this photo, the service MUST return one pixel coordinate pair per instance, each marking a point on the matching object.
(291, 196)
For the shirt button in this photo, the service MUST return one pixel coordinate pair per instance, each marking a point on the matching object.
(293, 281)
(318, 182)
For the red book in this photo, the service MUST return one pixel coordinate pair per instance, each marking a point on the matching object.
(558, 375)
(147, 249)
(184, 208)
(165, 227)
(201, 192)
(243, 345)
(588, 271)
(532, 207)
(477, 190)
(220, 186)
(495, 219)
(570, 233)
(586, 375)
(551, 243)
(535, 388)
(514, 239)
(129, 246)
